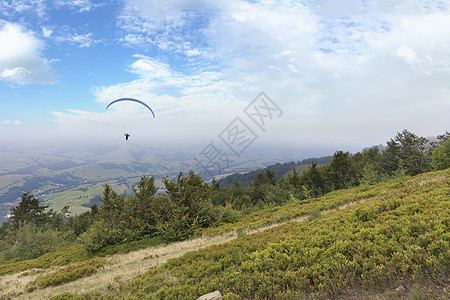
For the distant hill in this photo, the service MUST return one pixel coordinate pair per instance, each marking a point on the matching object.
(279, 169)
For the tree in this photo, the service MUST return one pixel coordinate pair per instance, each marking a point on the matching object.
(314, 181)
(142, 208)
(109, 227)
(187, 206)
(441, 156)
(30, 242)
(28, 211)
(370, 175)
(81, 223)
(342, 171)
(444, 137)
(391, 157)
(368, 166)
(112, 209)
(294, 179)
(142, 201)
(413, 152)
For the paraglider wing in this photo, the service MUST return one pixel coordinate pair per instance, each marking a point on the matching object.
(134, 100)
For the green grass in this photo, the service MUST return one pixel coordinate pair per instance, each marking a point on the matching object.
(397, 236)
(60, 257)
(8, 181)
(67, 274)
(294, 209)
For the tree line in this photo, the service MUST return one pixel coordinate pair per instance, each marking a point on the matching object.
(189, 203)
(279, 170)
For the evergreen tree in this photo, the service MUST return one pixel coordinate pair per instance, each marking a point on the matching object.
(342, 172)
(112, 209)
(294, 179)
(314, 180)
(441, 156)
(414, 151)
(391, 157)
(28, 211)
(142, 208)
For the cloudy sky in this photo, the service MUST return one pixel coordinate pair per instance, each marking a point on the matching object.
(342, 74)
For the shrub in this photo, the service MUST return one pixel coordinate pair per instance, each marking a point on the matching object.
(31, 242)
(67, 274)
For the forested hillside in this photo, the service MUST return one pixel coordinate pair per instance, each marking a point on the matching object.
(278, 169)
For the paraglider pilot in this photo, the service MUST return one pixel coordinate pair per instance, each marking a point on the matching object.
(127, 135)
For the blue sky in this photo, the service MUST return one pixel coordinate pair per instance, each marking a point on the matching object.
(346, 74)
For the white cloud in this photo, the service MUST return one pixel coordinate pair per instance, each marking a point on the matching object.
(21, 60)
(14, 123)
(186, 107)
(82, 40)
(46, 32)
(79, 5)
(166, 25)
(407, 54)
(193, 52)
(18, 74)
(150, 68)
(20, 6)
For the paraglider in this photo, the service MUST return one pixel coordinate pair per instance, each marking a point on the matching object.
(134, 100)
(127, 135)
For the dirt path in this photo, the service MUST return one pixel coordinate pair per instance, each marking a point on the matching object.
(124, 267)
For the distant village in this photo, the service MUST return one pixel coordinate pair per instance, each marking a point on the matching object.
(41, 194)
(44, 193)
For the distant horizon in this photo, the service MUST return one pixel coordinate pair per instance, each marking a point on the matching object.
(260, 148)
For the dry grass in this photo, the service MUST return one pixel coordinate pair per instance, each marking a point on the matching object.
(120, 268)
(14, 284)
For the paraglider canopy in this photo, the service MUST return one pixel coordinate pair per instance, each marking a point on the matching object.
(133, 100)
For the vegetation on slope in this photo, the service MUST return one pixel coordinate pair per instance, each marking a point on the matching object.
(398, 236)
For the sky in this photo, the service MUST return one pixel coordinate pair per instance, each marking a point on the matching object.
(239, 74)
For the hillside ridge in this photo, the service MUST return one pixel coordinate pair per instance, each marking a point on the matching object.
(152, 256)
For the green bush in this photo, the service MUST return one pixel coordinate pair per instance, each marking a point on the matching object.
(229, 215)
(176, 215)
(60, 257)
(31, 242)
(314, 215)
(67, 274)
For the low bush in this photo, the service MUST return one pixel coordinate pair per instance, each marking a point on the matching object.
(67, 274)
(60, 257)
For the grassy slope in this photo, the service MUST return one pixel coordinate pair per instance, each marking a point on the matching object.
(399, 236)
(395, 233)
